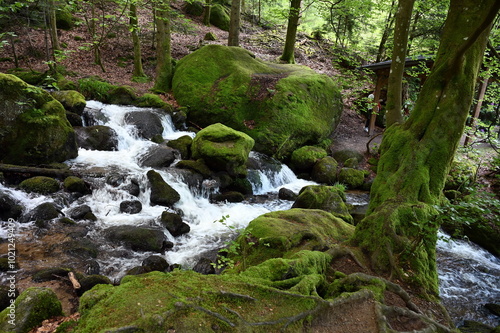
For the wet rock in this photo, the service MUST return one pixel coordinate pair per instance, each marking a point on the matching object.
(204, 266)
(44, 212)
(94, 116)
(74, 119)
(352, 178)
(197, 166)
(130, 206)
(342, 156)
(137, 270)
(241, 185)
(470, 326)
(52, 273)
(40, 184)
(137, 238)
(156, 263)
(6, 294)
(183, 145)
(287, 194)
(9, 207)
(92, 267)
(88, 282)
(493, 308)
(174, 224)
(75, 184)
(328, 198)
(158, 156)
(132, 187)
(97, 137)
(83, 212)
(325, 171)
(304, 158)
(32, 307)
(81, 248)
(161, 193)
(229, 196)
(148, 123)
(71, 100)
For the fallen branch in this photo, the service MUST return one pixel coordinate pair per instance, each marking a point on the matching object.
(36, 171)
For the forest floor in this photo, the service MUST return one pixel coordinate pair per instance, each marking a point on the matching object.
(266, 45)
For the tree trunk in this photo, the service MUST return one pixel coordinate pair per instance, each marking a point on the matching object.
(387, 32)
(206, 12)
(138, 69)
(291, 32)
(234, 24)
(164, 69)
(394, 87)
(54, 39)
(398, 233)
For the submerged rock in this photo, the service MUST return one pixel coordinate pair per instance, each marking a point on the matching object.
(9, 207)
(43, 212)
(97, 137)
(137, 238)
(174, 224)
(148, 123)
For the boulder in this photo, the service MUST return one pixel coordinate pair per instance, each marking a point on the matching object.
(51, 273)
(32, 307)
(9, 207)
(174, 224)
(194, 8)
(89, 282)
(34, 128)
(43, 212)
(229, 196)
(81, 248)
(223, 149)
(137, 238)
(220, 17)
(183, 145)
(161, 193)
(75, 184)
(156, 263)
(352, 178)
(74, 119)
(157, 156)
(304, 158)
(328, 198)
(121, 95)
(342, 156)
(148, 123)
(325, 171)
(72, 100)
(282, 107)
(204, 266)
(152, 101)
(287, 194)
(83, 212)
(97, 137)
(6, 294)
(40, 184)
(94, 116)
(130, 206)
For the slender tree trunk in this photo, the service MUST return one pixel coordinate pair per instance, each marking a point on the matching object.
(206, 12)
(398, 233)
(234, 25)
(387, 32)
(134, 28)
(413, 29)
(164, 69)
(54, 39)
(288, 55)
(395, 84)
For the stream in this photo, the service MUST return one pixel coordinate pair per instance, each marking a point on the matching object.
(469, 276)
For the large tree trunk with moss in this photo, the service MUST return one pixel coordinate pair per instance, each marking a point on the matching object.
(291, 32)
(395, 84)
(164, 69)
(134, 28)
(234, 24)
(398, 233)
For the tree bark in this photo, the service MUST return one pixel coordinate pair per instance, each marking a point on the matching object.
(234, 24)
(206, 12)
(54, 39)
(398, 233)
(395, 84)
(291, 32)
(387, 31)
(138, 69)
(164, 69)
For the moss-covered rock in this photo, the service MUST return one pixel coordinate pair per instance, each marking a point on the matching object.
(33, 125)
(161, 193)
(304, 158)
(198, 166)
(43, 212)
(283, 233)
(223, 149)
(183, 145)
(328, 198)
(282, 107)
(40, 184)
(194, 8)
(325, 171)
(342, 156)
(72, 100)
(174, 224)
(9, 207)
(32, 307)
(64, 19)
(75, 184)
(97, 137)
(220, 17)
(152, 101)
(462, 173)
(122, 95)
(352, 178)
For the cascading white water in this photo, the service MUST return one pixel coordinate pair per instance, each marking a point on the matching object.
(469, 278)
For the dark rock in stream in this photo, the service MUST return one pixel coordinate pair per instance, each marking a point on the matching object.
(173, 223)
(161, 193)
(230, 196)
(5, 296)
(148, 123)
(156, 263)
(81, 248)
(287, 194)
(9, 208)
(52, 273)
(158, 156)
(470, 326)
(88, 282)
(493, 308)
(204, 266)
(83, 212)
(137, 238)
(44, 212)
(130, 206)
(96, 138)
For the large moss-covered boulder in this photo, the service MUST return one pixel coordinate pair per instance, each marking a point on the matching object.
(282, 107)
(352, 178)
(72, 100)
(33, 125)
(328, 198)
(223, 149)
(32, 307)
(40, 184)
(325, 171)
(304, 158)
(220, 17)
(283, 233)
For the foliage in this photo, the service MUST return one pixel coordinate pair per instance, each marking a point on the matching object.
(94, 88)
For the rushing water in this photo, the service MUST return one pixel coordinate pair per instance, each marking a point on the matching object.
(469, 276)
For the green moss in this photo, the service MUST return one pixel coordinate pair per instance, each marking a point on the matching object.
(183, 145)
(304, 158)
(75, 184)
(219, 17)
(198, 166)
(94, 88)
(282, 107)
(121, 95)
(71, 100)
(151, 100)
(40, 184)
(352, 178)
